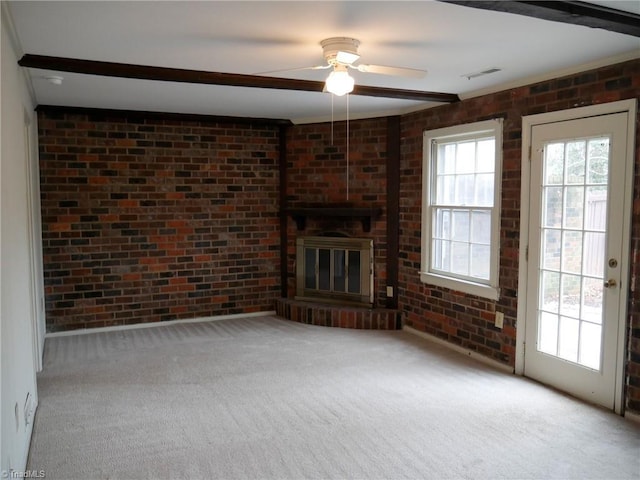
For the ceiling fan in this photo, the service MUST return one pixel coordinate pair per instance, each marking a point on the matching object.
(340, 54)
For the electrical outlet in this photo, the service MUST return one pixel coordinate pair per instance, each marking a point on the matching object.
(499, 319)
(389, 292)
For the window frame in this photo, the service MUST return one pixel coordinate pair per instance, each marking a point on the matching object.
(477, 130)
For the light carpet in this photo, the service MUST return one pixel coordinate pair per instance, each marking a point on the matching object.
(266, 398)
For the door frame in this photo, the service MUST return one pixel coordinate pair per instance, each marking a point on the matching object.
(34, 232)
(528, 122)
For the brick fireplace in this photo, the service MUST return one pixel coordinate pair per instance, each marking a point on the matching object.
(327, 196)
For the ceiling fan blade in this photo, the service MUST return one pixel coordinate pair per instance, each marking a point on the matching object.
(385, 70)
(317, 67)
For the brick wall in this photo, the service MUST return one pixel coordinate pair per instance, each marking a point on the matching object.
(317, 175)
(146, 219)
(467, 320)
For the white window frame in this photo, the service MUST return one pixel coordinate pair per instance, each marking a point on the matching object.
(489, 289)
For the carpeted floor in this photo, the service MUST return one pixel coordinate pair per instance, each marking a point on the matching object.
(265, 398)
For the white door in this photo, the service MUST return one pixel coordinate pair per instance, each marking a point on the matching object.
(575, 255)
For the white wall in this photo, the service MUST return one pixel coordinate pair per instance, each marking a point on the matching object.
(18, 285)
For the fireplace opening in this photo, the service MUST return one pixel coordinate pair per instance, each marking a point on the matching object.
(335, 270)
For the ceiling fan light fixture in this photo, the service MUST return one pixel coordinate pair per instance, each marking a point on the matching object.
(339, 82)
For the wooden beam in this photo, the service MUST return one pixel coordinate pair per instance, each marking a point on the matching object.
(393, 208)
(283, 188)
(163, 74)
(575, 13)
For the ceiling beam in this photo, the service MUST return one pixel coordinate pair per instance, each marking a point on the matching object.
(145, 72)
(576, 13)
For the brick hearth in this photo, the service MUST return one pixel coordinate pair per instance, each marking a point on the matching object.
(339, 315)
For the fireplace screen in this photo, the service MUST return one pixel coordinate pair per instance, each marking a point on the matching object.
(335, 269)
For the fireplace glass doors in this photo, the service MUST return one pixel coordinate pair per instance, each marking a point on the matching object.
(335, 269)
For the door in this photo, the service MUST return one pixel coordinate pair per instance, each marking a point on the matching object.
(575, 255)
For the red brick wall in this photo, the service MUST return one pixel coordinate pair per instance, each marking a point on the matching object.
(148, 220)
(317, 175)
(467, 320)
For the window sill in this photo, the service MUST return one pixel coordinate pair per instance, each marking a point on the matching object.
(477, 289)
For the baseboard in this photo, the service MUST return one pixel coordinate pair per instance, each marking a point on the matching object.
(464, 351)
(133, 326)
(632, 417)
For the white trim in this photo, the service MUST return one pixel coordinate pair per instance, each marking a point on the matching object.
(458, 349)
(134, 326)
(528, 122)
(632, 417)
(579, 112)
(632, 106)
(527, 81)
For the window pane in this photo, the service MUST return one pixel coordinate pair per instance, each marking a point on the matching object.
(570, 295)
(592, 299)
(446, 158)
(460, 230)
(548, 333)
(575, 162)
(550, 291)
(484, 190)
(445, 190)
(554, 164)
(572, 251)
(598, 161)
(481, 227)
(437, 254)
(460, 258)
(593, 254)
(590, 345)
(552, 207)
(573, 207)
(466, 157)
(480, 265)
(569, 334)
(486, 159)
(464, 189)
(551, 250)
(596, 209)
(442, 227)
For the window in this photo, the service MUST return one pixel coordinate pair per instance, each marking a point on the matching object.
(461, 207)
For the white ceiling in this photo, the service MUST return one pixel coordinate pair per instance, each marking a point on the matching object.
(449, 41)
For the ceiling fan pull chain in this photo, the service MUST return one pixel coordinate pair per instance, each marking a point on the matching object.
(347, 147)
(332, 120)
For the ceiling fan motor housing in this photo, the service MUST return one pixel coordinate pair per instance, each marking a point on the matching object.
(345, 46)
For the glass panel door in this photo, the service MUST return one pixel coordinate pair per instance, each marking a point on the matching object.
(575, 255)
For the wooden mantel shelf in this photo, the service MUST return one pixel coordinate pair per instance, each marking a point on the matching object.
(365, 214)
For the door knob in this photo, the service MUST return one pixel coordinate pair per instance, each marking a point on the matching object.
(610, 283)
